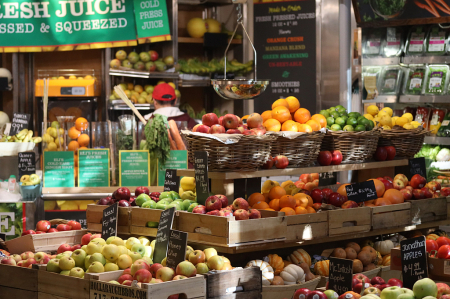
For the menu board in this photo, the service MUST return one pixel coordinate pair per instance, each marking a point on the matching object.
(93, 170)
(201, 176)
(176, 249)
(359, 192)
(414, 260)
(285, 42)
(163, 234)
(27, 163)
(19, 122)
(134, 168)
(341, 275)
(109, 221)
(59, 169)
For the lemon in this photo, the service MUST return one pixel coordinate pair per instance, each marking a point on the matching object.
(408, 116)
(372, 110)
(386, 128)
(388, 111)
(416, 124)
(53, 132)
(368, 116)
(51, 146)
(394, 120)
(376, 118)
(187, 183)
(374, 123)
(381, 113)
(47, 138)
(401, 121)
(385, 120)
(408, 126)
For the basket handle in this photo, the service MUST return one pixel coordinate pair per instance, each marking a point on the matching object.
(58, 221)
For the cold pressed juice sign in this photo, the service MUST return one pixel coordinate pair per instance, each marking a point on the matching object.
(152, 20)
(93, 169)
(134, 168)
(59, 169)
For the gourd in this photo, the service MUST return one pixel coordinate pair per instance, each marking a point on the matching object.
(300, 256)
(379, 260)
(293, 274)
(308, 274)
(276, 262)
(322, 268)
(266, 270)
(277, 281)
(384, 247)
(386, 260)
(432, 237)
(286, 263)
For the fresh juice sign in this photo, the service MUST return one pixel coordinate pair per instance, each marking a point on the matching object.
(134, 168)
(59, 169)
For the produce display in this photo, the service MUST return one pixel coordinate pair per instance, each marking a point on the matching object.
(197, 27)
(139, 94)
(144, 61)
(198, 67)
(44, 227)
(30, 180)
(24, 135)
(386, 119)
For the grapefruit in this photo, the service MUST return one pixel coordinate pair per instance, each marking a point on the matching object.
(213, 26)
(196, 27)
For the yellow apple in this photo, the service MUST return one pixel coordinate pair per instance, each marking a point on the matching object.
(116, 241)
(96, 267)
(123, 249)
(210, 252)
(144, 241)
(135, 256)
(131, 241)
(124, 261)
(97, 257)
(65, 272)
(66, 263)
(111, 252)
(99, 240)
(94, 247)
(111, 267)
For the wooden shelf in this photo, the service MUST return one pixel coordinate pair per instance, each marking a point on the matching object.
(85, 193)
(295, 171)
(194, 40)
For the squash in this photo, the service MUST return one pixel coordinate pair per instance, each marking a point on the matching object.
(293, 274)
(286, 263)
(386, 260)
(432, 237)
(379, 259)
(276, 262)
(300, 256)
(308, 274)
(322, 268)
(277, 281)
(384, 247)
(266, 269)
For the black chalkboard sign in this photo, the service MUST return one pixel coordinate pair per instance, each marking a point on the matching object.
(201, 176)
(341, 275)
(414, 261)
(363, 191)
(176, 249)
(171, 181)
(162, 236)
(27, 163)
(109, 221)
(19, 122)
(327, 178)
(417, 166)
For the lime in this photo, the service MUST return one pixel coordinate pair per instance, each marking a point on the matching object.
(349, 128)
(336, 127)
(332, 108)
(360, 117)
(344, 117)
(364, 122)
(328, 127)
(354, 114)
(340, 121)
(335, 114)
(360, 128)
(352, 121)
(325, 113)
(370, 126)
(343, 113)
(341, 109)
(340, 106)
(330, 121)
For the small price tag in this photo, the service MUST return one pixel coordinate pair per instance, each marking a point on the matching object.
(27, 163)
(109, 221)
(19, 122)
(176, 249)
(341, 275)
(163, 234)
(414, 260)
(363, 191)
(417, 166)
(201, 176)
(171, 180)
(327, 178)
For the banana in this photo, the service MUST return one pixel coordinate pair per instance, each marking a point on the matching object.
(21, 135)
(28, 137)
(37, 139)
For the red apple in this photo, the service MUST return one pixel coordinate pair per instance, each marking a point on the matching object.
(216, 129)
(383, 286)
(254, 214)
(28, 232)
(269, 163)
(390, 152)
(124, 203)
(427, 192)
(124, 277)
(398, 184)
(63, 227)
(225, 213)
(317, 195)
(407, 195)
(380, 154)
(443, 289)
(301, 293)
(143, 275)
(443, 241)
(63, 248)
(306, 178)
(325, 158)
(75, 225)
(358, 287)
(326, 192)
(213, 203)
(221, 121)
(336, 199)
(210, 119)
(418, 181)
(317, 206)
(153, 55)
(377, 280)
(418, 194)
(199, 209)
(259, 131)
(230, 121)
(123, 193)
(254, 120)
(233, 131)
(336, 158)
(395, 282)
(445, 191)
(358, 278)
(213, 213)
(240, 204)
(388, 178)
(434, 186)
(85, 239)
(431, 245)
(316, 295)
(241, 214)
(387, 185)
(154, 268)
(281, 162)
(52, 230)
(201, 128)
(223, 199)
(39, 232)
(105, 201)
(140, 190)
(43, 225)
(349, 204)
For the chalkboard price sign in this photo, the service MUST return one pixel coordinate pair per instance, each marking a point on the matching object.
(363, 191)
(417, 166)
(176, 249)
(163, 234)
(19, 122)
(341, 275)
(414, 261)
(201, 176)
(171, 181)
(27, 163)
(109, 221)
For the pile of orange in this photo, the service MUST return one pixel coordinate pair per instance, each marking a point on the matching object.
(286, 115)
(79, 139)
(278, 200)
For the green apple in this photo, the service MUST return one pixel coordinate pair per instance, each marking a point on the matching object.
(150, 204)
(99, 240)
(34, 179)
(97, 257)
(111, 267)
(425, 287)
(141, 199)
(77, 272)
(86, 262)
(131, 241)
(429, 297)
(66, 263)
(391, 292)
(407, 291)
(84, 248)
(164, 195)
(114, 282)
(148, 252)
(370, 296)
(406, 296)
(139, 248)
(188, 195)
(111, 252)
(94, 247)
(144, 241)
(96, 267)
(59, 256)
(192, 206)
(175, 205)
(53, 266)
(152, 224)
(331, 294)
(174, 194)
(160, 206)
(186, 203)
(135, 255)
(65, 272)
(67, 253)
(79, 256)
(55, 124)
(202, 268)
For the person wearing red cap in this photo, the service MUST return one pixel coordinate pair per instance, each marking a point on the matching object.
(165, 101)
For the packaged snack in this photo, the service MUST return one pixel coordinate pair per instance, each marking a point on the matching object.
(370, 78)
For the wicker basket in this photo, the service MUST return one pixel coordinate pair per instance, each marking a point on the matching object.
(354, 146)
(407, 143)
(247, 154)
(302, 150)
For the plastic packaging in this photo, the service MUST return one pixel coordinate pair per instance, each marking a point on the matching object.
(393, 44)
(369, 81)
(436, 42)
(437, 116)
(415, 41)
(389, 82)
(444, 130)
(11, 183)
(414, 80)
(422, 116)
(436, 79)
(372, 43)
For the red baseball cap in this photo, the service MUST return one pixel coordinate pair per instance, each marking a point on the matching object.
(164, 92)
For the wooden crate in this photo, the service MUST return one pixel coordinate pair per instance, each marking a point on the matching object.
(428, 210)
(18, 282)
(448, 207)
(54, 285)
(140, 217)
(44, 242)
(287, 291)
(372, 273)
(239, 283)
(94, 216)
(387, 273)
(226, 231)
(6, 292)
(345, 221)
(398, 215)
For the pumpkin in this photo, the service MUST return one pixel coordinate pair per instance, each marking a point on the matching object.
(266, 269)
(276, 263)
(367, 243)
(308, 274)
(386, 260)
(300, 256)
(286, 263)
(277, 281)
(322, 268)
(293, 274)
(384, 247)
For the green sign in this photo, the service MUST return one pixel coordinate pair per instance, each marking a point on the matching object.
(93, 168)
(134, 168)
(151, 18)
(55, 22)
(12, 219)
(177, 160)
(59, 169)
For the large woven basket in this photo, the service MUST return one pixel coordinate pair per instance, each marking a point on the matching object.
(247, 154)
(354, 146)
(407, 143)
(301, 150)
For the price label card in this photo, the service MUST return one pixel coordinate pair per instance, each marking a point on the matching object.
(109, 221)
(201, 176)
(177, 160)
(163, 234)
(341, 275)
(172, 181)
(27, 163)
(19, 122)
(414, 260)
(59, 169)
(93, 169)
(176, 249)
(360, 192)
(134, 168)
(327, 178)
(417, 166)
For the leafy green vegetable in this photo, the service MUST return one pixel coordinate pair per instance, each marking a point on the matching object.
(124, 142)
(437, 75)
(415, 40)
(436, 44)
(390, 81)
(415, 79)
(389, 7)
(157, 138)
(428, 151)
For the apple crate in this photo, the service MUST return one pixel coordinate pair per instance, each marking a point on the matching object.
(287, 291)
(398, 215)
(347, 221)
(140, 217)
(94, 216)
(438, 269)
(44, 242)
(99, 287)
(388, 273)
(54, 285)
(18, 282)
(428, 210)
(226, 231)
